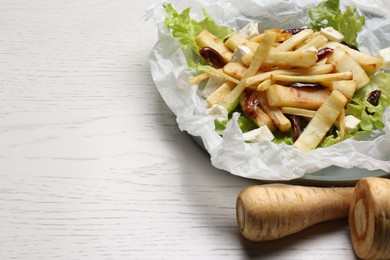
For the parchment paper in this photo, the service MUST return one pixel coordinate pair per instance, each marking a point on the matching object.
(263, 160)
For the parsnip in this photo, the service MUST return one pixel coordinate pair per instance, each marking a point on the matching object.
(316, 42)
(281, 36)
(315, 70)
(267, 212)
(340, 124)
(281, 96)
(206, 39)
(287, 59)
(278, 118)
(221, 73)
(258, 116)
(323, 120)
(369, 63)
(235, 70)
(314, 78)
(258, 59)
(217, 96)
(298, 111)
(198, 78)
(344, 62)
(263, 86)
(261, 54)
(237, 39)
(294, 40)
(347, 87)
(369, 218)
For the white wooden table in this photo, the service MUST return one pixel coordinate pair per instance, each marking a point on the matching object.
(93, 165)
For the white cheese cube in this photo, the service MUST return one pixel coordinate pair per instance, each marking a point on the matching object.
(251, 29)
(240, 52)
(332, 34)
(384, 54)
(351, 123)
(212, 85)
(219, 112)
(260, 134)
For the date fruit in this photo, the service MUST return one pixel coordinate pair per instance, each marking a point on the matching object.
(212, 56)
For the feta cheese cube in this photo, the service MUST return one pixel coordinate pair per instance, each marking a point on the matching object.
(212, 85)
(219, 112)
(384, 54)
(351, 123)
(332, 34)
(251, 29)
(260, 134)
(240, 52)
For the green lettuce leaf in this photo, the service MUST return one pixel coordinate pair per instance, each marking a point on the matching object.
(359, 105)
(186, 29)
(282, 138)
(324, 11)
(328, 14)
(333, 137)
(244, 123)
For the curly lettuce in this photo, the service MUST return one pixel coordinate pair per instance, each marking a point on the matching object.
(359, 106)
(328, 14)
(186, 29)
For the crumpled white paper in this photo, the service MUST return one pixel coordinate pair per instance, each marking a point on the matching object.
(263, 160)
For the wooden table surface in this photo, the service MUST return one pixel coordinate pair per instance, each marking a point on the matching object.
(93, 165)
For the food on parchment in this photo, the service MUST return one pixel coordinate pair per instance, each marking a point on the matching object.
(267, 212)
(276, 77)
(369, 218)
(284, 71)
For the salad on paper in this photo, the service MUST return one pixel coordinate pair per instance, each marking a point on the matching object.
(285, 94)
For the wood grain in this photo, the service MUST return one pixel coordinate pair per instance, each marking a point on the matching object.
(93, 165)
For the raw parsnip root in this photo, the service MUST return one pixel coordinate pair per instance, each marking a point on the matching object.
(369, 218)
(267, 212)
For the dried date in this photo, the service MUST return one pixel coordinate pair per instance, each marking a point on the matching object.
(294, 30)
(325, 52)
(250, 105)
(212, 56)
(373, 97)
(297, 126)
